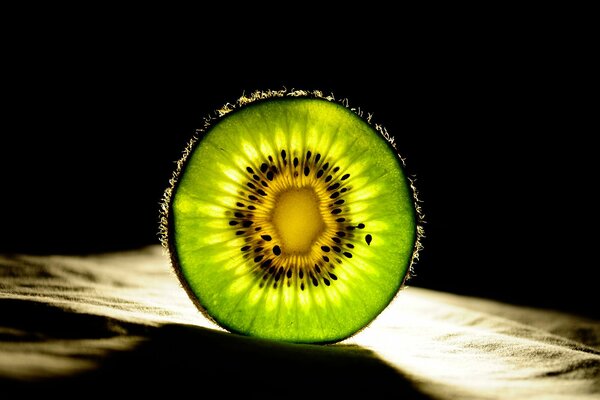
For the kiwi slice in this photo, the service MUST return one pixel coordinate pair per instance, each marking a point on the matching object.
(290, 217)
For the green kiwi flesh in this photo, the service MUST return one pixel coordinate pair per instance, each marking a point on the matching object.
(290, 217)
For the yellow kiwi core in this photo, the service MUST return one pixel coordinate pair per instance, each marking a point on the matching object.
(297, 219)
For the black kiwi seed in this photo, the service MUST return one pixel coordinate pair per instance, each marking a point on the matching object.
(277, 250)
(368, 239)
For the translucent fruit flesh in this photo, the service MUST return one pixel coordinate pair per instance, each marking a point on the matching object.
(292, 219)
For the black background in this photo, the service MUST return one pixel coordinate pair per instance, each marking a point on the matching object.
(492, 133)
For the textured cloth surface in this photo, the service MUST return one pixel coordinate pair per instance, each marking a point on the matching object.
(120, 323)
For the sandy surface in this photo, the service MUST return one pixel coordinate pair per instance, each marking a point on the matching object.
(121, 324)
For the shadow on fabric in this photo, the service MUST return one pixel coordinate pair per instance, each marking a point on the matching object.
(79, 354)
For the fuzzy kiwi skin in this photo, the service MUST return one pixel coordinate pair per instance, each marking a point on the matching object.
(168, 238)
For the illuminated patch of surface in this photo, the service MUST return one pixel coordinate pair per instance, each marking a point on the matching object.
(123, 318)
